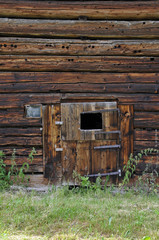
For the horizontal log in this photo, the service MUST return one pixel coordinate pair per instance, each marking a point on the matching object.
(33, 46)
(10, 132)
(141, 145)
(20, 151)
(75, 10)
(19, 100)
(142, 135)
(17, 118)
(9, 101)
(37, 180)
(77, 77)
(148, 164)
(79, 29)
(19, 160)
(121, 98)
(149, 107)
(82, 63)
(32, 169)
(146, 120)
(21, 141)
(78, 87)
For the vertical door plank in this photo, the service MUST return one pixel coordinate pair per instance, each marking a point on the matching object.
(68, 156)
(83, 163)
(52, 140)
(126, 127)
(104, 160)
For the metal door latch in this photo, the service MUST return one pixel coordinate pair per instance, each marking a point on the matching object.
(58, 122)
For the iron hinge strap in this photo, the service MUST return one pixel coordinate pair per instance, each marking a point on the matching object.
(105, 174)
(107, 147)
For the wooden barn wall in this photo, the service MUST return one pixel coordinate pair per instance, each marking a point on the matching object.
(57, 49)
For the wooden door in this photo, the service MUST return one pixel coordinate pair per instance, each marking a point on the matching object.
(90, 138)
(84, 137)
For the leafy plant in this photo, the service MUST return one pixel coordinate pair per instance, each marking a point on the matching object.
(131, 165)
(14, 174)
(85, 184)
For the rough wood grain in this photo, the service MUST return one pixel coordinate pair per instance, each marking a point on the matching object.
(15, 117)
(19, 160)
(20, 141)
(126, 128)
(149, 107)
(146, 120)
(21, 151)
(23, 132)
(35, 46)
(43, 87)
(77, 78)
(79, 29)
(52, 138)
(9, 101)
(74, 9)
(19, 100)
(146, 135)
(140, 145)
(81, 63)
(70, 116)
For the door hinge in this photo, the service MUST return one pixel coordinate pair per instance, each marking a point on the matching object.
(105, 174)
(107, 147)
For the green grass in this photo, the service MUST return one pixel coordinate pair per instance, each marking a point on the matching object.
(63, 215)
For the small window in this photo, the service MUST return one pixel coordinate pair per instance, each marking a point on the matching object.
(91, 121)
(33, 111)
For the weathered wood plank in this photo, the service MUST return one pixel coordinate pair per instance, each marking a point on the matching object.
(32, 169)
(141, 145)
(14, 117)
(74, 10)
(146, 135)
(19, 160)
(82, 63)
(33, 46)
(149, 107)
(126, 128)
(104, 161)
(77, 77)
(78, 87)
(71, 115)
(122, 98)
(146, 120)
(18, 100)
(21, 141)
(79, 29)
(21, 151)
(9, 101)
(51, 136)
(23, 132)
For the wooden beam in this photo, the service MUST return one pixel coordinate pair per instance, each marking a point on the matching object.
(146, 135)
(77, 77)
(81, 63)
(79, 29)
(74, 10)
(33, 46)
(126, 128)
(146, 120)
(43, 87)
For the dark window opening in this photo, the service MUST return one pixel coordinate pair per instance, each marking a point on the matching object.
(90, 121)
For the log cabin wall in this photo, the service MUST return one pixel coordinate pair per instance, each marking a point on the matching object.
(53, 50)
